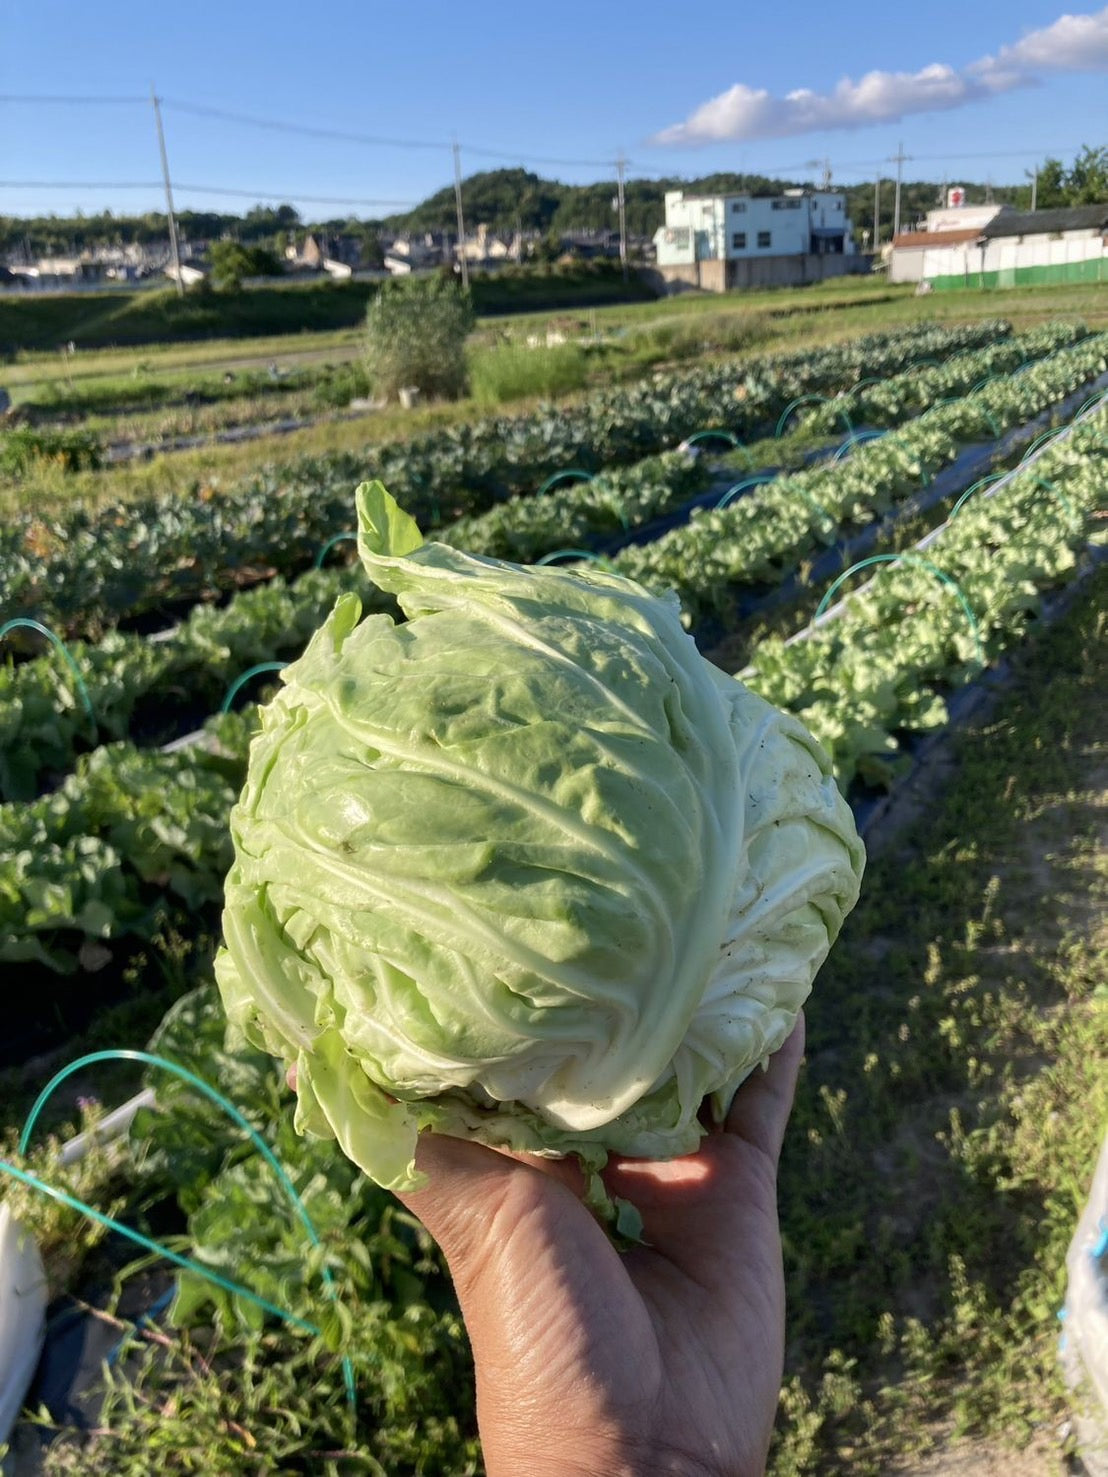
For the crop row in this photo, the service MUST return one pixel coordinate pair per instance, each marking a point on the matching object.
(526, 528)
(885, 400)
(86, 569)
(128, 684)
(51, 708)
(135, 834)
(868, 680)
(759, 539)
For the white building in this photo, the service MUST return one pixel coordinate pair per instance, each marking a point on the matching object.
(1010, 249)
(726, 227)
(722, 241)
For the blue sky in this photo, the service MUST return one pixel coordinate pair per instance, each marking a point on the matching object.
(980, 90)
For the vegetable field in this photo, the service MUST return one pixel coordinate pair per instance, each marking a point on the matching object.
(898, 540)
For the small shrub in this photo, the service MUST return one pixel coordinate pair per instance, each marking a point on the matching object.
(415, 335)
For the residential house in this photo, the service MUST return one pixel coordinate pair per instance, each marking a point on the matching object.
(725, 241)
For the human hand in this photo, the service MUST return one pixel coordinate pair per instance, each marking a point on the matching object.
(665, 1359)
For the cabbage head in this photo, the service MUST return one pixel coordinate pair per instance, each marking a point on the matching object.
(523, 867)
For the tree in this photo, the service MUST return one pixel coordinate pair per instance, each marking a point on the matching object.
(1088, 178)
(231, 262)
(416, 329)
(1051, 189)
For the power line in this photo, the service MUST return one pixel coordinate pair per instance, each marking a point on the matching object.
(277, 125)
(197, 189)
(16, 97)
(540, 158)
(307, 130)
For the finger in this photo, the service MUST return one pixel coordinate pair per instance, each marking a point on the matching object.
(760, 1111)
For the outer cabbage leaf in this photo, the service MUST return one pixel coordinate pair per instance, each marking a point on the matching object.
(524, 867)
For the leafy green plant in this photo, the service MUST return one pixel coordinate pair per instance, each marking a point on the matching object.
(69, 450)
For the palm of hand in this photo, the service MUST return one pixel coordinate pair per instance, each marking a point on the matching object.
(666, 1359)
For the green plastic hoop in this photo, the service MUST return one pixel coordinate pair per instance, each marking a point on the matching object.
(989, 417)
(59, 644)
(981, 482)
(570, 472)
(1041, 440)
(1098, 398)
(325, 549)
(588, 554)
(924, 564)
(228, 1108)
(808, 400)
(856, 438)
(714, 433)
(733, 491)
(240, 682)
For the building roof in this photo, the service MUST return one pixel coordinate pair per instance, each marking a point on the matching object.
(936, 238)
(1041, 222)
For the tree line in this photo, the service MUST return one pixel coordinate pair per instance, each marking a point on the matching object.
(509, 200)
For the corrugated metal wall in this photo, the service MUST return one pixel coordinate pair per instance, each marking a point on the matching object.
(1089, 270)
(1008, 261)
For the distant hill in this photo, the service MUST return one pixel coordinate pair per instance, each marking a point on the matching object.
(515, 199)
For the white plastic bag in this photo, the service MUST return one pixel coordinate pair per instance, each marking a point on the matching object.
(1084, 1344)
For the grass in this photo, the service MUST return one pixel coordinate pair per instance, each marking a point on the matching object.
(144, 316)
(32, 367)
(508, 372)
(955, 1096)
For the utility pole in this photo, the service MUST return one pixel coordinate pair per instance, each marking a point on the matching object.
(1033, 176)
(173, 249)
(461, 221)
(898, 159)
(622, 207)
(877, 213)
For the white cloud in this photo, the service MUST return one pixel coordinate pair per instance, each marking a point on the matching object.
(1072, 43)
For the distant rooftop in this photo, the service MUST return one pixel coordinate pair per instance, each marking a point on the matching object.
(1046, 222)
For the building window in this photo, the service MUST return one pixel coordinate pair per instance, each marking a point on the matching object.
(678, 236)
(737, 205)
(738, 241)
(763, 238)
(791, 204)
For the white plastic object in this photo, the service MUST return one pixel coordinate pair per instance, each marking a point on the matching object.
(1084, 1344)
(22, 1316)
(112, 1126)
